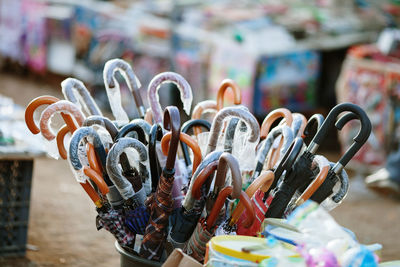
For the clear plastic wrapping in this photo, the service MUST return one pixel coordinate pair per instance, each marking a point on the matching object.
(154, 86)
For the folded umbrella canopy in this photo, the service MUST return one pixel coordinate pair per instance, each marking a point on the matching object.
(184, 219)
(108, 218)
(153, 243)
(133, 191)
(291, 182)
(205, 229)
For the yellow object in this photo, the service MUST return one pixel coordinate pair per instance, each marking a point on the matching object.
(232, 245)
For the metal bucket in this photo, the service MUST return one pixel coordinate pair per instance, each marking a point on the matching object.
(129, 260)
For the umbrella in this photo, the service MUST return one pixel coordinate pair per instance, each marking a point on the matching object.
(113, 89)
(193, 123)
(184, 219)
(110, 219)
(153, 242)
(196, 160)
(70, 87)
(168, 77)
(326, 188)
(199, 109)
(113, 195)
(239, 112)
(131, 190)
(46, 100)
(143, 124)
(205, 229)
(230, 133)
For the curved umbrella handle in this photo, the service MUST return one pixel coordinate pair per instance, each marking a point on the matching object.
(168, 77)
(60, 106)
(60, 141)
(220, 201)
(317, 120)
(287, 134)
(96, 178)
(156, 133)
(201, 178)
(188, 141)
(263, 182)
(123, 185)
(328, 124)
(132, 127)
(199, 109)
(76, 139)
(104, 122)
(272, 117)
(239, 112)
(113, 91)
(228, 83)
(92, 158)
(39, 101)
(210, 159)
(68, 86)
(193, 123)
(323, 165)
(228, 160)
(172, 122)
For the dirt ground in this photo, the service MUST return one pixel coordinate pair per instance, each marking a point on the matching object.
(62, 228)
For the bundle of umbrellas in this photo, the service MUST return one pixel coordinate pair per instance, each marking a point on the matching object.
(144, 180)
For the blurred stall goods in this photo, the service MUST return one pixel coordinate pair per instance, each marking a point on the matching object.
(201, 40)
(372, 79)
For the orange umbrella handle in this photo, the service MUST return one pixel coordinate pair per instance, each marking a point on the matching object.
(60, 106)
(92, 194)
(187, 140)
(250, 210)
(60, 141)
(37, 102)
(228, 83)
(97, 179)
(198, 111)
(92, 158)
(219, 202)
(315, 184)
(202, 178)
(263, 182)
(272, 117)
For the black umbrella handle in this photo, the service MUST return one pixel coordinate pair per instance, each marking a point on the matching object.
(315, 120)
(185, 129)
(132, 127)
(330, 121)
(156, 134)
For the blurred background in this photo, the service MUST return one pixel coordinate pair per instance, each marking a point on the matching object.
(306, 56)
